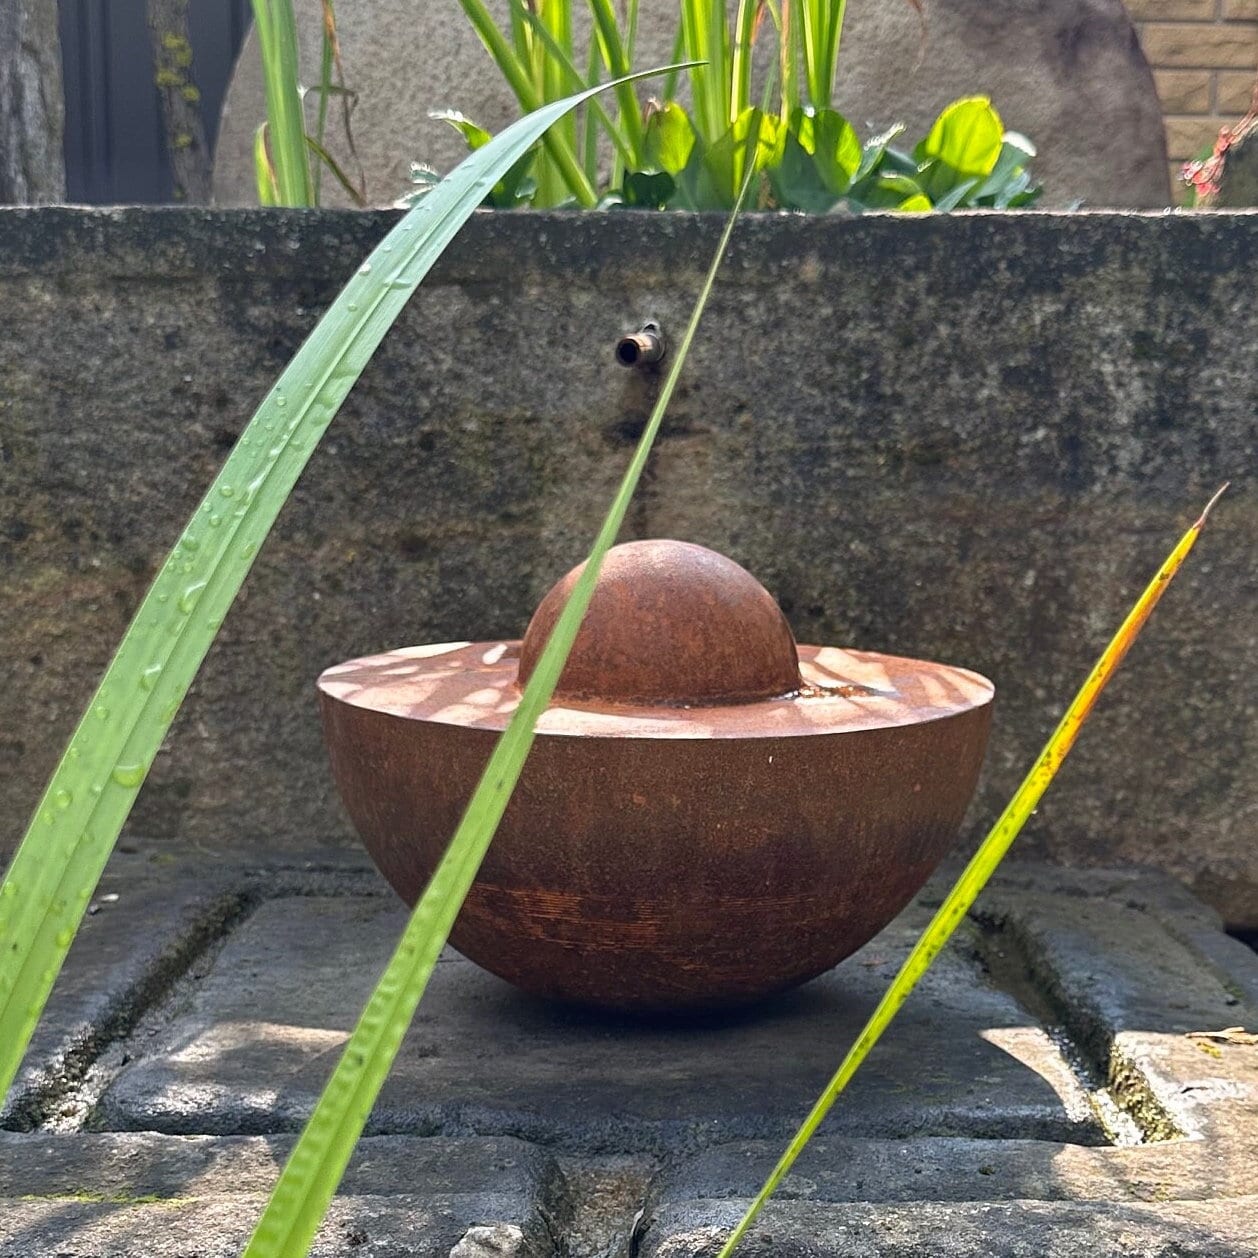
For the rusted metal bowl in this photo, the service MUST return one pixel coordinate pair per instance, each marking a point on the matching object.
(709, 813)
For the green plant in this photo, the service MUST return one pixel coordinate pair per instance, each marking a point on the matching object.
(978, 872)
(288, 163)
(803, 155)
(51, 878)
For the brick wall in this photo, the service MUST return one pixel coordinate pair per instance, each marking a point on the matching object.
(1204, 55)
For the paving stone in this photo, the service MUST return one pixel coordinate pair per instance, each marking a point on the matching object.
(834, 1169)
(207, 1004)
(482, 1057)
(210, 1227)
(109, 1194)
(115, 970)
(947, 1230)
(133, 1166)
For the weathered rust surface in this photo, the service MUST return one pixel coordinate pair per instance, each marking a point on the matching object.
(669, 623)
(682, 842)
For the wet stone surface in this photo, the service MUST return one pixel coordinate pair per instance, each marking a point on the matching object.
(1041, 1094)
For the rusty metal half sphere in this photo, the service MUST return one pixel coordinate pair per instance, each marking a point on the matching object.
(708, 813)
(669, 623)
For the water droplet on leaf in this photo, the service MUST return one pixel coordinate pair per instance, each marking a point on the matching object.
(188, 599)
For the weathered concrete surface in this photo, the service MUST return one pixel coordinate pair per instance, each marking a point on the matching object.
(219, 1227)
(980, 1069)
(1116, 964)
(948, 1230)
(146, 1194)
(970, 439)
(1069, 73)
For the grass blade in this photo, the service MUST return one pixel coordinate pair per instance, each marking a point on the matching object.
(576, 82)
(277, 43)
(325, 90)
(318, 1161)
(740, 65)
(519, 79)
(618, 65)
(263, 171)
(981, 867)
(55, 870)
(326, 159)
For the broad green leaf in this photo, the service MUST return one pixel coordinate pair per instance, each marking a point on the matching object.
(754, 141)
(476, 137)
(964, 143)
(1021, 199)
(960, 195)
(897, 162)
(875, 150)
(888, 192)
(55, 870)
(836, 148)
(918, 203)
(670, 138)
(506, 192)
(796, 181)
(1016, 152)
(647, 190)
(984, 863)
(318, 1160)
(694, 188)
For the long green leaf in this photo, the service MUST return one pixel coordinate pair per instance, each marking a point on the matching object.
(263, 171)
(577, 82)
(52, 876)
(518, 78)
(277, 42)
(984, 863)
(619, 64)
(318, 1160)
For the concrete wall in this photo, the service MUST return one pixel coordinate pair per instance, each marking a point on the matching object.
(970, 438)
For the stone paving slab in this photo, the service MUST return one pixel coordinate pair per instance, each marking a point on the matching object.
(481, 1057)
(944, 1169)
(117, 1194)
(1023, 1229)
(207, 1002)
(218, 1227)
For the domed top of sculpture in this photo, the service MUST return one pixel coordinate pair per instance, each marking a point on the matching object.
(669, 623)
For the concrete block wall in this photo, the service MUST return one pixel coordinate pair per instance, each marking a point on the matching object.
(1204, 55)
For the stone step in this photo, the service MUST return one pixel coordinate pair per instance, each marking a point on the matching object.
(1042, 1093)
